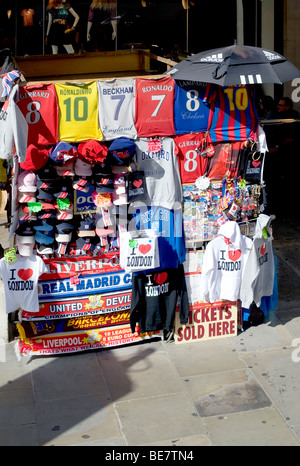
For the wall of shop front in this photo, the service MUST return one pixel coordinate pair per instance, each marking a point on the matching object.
(291, 41)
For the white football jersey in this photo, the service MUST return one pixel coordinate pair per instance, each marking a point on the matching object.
(117, 108)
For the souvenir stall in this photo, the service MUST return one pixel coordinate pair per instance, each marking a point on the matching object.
(137, 208)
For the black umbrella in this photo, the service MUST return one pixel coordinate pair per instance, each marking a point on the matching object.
(236, 65)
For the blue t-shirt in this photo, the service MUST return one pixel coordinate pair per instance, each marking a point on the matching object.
(168, 225)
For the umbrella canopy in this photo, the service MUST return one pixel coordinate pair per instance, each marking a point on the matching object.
(236, 65)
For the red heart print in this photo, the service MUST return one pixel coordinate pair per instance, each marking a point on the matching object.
(234, 255)
(137, 183)
(256, 164)
(144, 248)
(160, 278)
(25, 274)
(263, 249)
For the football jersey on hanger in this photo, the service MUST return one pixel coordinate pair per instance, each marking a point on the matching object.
(233, 115)
(154, 107)
(191, 164)
(190, 112)
(78, 112)
(117, 108)
(39, 105)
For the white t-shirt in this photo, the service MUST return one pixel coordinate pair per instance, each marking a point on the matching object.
(117, 108)
(20, 280)
(161, 169)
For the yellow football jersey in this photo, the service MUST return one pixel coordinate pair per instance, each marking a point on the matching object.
(78, 112)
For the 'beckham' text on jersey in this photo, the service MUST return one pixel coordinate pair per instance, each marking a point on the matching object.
(117, 108)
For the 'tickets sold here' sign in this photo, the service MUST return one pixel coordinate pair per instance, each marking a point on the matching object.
(208, 321)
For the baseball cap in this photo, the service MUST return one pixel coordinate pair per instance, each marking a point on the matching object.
(64, 232)
(86, 227)
(62, 153)
(85, 245)
(64, 227)
(25, 233)
(27, 182)
(46, 185)
(83, 168)
(44, 225)
(65, 214)
(47, 215)
(45, 237)
(81, 184)
(66, 169)
(44, 249)
(24, 197)
(122, 149)
(63, 237)
(64, 189)
(43, 195)
(104, 184)
(26, 214)
(102, 169)
(92, 151)
(35, 158)
(47, 173)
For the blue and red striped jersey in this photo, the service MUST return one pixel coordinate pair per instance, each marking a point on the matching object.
(233, 115)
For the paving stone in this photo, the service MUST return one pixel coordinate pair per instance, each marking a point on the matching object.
(139, 372)
(159, 419)
(19, 436)
(262, 427)
(74, 374)
(279, 375)
(226, 392)
(72, 421)
(204, 357)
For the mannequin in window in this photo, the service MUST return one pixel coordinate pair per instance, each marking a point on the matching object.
(59, 32)
(28, 36)
(102, 25)
(7, 29)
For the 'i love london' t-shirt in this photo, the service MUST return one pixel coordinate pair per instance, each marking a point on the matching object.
(20, 280)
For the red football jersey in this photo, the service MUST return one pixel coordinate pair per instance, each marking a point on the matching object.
(154, 102)
(191, 164)
(38, 104)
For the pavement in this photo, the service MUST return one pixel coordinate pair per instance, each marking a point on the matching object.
(237, 391)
